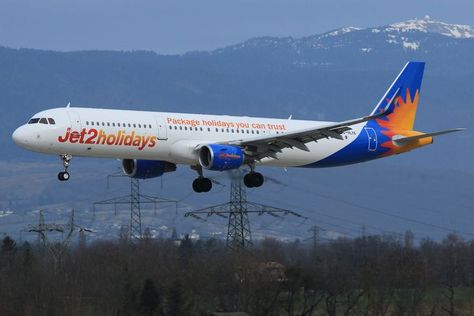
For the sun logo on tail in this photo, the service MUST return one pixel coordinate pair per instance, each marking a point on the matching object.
(399, 122)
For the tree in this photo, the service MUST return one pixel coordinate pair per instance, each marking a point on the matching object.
(8, 246)
(177, 304)
(186, 249)
(150, 300)
(27, 255)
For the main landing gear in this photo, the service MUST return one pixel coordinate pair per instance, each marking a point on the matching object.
(201, 184)
(64, 175)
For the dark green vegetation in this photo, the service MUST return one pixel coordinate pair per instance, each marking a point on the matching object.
(374, 275)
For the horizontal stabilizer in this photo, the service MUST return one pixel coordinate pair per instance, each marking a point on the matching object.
(404, 140)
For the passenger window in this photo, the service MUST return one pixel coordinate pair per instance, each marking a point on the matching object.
(208, 129)
(253, 132)
(108, 123)
(176, 127)
(103, 124)
(113, 124)
(200, 128)
(129, 125)
(43, 121)
(51, 121)
(92, 123)
(185, 128)
(87, 122)
(181, 128)
(33, 121)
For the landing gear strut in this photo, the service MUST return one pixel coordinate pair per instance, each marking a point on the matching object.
(201, 184)
(64, 175)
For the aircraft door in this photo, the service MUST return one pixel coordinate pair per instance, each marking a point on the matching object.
(372, 138)
(162, 131)
(75, 120)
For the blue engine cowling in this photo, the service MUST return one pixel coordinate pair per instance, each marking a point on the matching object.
(145, 169)
(220, 157)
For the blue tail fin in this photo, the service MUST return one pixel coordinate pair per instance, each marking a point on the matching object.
(405, 87)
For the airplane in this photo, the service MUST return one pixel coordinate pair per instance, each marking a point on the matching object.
(150, 144)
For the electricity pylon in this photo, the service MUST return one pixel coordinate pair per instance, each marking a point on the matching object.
(237, 210)
(56, 248)
(135, 199)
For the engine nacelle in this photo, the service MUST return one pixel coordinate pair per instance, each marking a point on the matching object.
(145, 169)
(220, 157)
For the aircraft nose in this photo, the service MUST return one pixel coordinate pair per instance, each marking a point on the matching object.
(19, 136)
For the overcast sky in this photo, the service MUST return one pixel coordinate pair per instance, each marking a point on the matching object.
(177, 26)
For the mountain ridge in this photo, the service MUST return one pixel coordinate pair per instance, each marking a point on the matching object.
(398, 30)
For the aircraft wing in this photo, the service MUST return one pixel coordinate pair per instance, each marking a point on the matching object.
(260, 147)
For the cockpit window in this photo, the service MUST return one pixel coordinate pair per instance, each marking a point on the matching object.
(43, 121)
(51, 121)
(33, 120)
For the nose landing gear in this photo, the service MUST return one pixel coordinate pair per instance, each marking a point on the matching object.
(64, 175)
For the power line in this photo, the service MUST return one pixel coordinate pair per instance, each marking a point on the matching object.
(373, 210)
(135, 199)
(237, 212)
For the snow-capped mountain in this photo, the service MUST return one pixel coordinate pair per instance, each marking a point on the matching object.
(411, 35)
(427, 25)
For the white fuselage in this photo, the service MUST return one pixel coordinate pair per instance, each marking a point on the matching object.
(171, 137)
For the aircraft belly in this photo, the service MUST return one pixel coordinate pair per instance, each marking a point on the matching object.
(111, 151)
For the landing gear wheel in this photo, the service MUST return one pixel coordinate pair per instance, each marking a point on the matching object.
(202, 184)
(63, 176)
(258, 179)
(253, 180)
(206, 185)
(248, 180)
(197, 186)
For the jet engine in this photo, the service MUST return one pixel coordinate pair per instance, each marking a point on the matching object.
(220, 157)
(145, 169)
